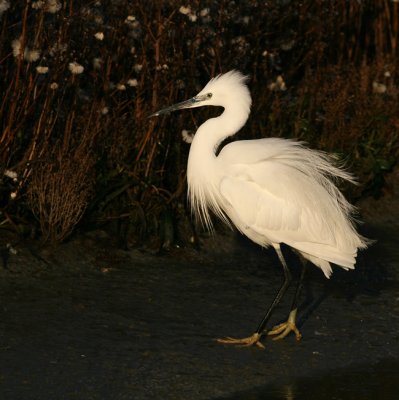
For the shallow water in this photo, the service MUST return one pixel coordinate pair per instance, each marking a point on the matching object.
(92, 322)
(380, 381)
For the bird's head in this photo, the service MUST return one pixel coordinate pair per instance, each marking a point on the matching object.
(223, 90)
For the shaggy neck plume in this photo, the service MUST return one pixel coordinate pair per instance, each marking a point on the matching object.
(202, 174)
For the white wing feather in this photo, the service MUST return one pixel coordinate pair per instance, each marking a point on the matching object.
(286, 195)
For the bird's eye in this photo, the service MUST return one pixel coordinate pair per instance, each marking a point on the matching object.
(209, 95)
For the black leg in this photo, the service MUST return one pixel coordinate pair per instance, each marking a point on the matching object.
(282, 330)
(280, 293)
(299, 287)
(255, 338)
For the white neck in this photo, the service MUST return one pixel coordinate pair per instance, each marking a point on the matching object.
(202, 174)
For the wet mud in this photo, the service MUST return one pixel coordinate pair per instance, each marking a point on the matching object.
(90, 321)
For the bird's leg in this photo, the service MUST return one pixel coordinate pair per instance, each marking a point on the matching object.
(282, 330)
(254, 339)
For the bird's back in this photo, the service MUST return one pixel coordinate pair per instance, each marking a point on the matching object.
(278, 191)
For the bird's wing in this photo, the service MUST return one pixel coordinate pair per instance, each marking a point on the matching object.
(276, 201)
(278, 191)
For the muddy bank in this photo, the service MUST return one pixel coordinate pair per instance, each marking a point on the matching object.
(90, 321)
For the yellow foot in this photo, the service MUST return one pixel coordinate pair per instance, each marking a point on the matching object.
(282, 330)
(245, 342)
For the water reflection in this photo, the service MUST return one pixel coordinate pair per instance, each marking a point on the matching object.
(380, 381)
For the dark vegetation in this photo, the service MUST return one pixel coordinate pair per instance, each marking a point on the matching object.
(77, 148)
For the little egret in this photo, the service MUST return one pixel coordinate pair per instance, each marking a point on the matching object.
(272, 190)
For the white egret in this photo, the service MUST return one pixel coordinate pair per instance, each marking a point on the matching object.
(272, 190)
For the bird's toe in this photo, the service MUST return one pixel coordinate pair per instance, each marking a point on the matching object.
(244, 342)
(282, 330)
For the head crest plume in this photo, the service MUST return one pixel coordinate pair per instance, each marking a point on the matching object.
(231, 78)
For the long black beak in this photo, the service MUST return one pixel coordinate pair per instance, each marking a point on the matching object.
(178, 106)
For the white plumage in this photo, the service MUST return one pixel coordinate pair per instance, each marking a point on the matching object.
(273, 190)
